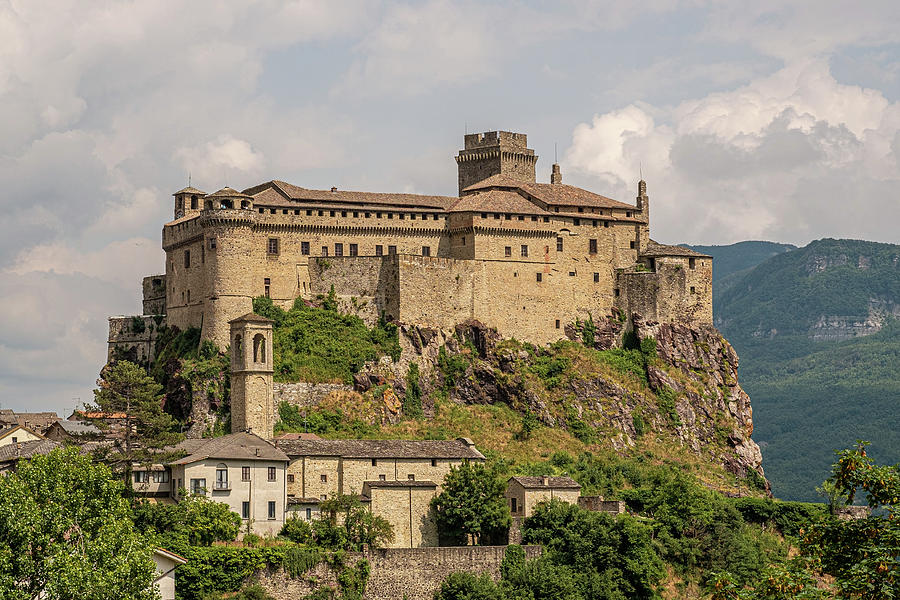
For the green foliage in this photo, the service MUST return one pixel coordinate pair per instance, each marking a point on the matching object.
(212, 569)
(195, 520)
(530, 422)
(137, 325)
(594, 555)
(346, 525)
(452, 367)
(66, 532)
(321, 422)
(467, 586)
(471, 508)
(666, 397)
(640, 425)
(412, 400)
(550, 367)
(299, 560)
(588, 332)
(628, 362)
(297, 530)
(320, 344)
(251, 592)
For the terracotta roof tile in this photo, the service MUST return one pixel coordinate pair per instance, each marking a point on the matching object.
(551, 193)
(501, 201)
(295, 194)
(657, 249)
(189, 190)
(10, 452)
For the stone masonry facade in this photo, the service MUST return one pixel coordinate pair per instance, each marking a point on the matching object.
(523, 257)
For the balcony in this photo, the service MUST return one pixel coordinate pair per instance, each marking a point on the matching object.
(221, 486)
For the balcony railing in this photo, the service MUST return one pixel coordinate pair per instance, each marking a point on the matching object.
(222, 485)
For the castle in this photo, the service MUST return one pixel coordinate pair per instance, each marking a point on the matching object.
(524, 257)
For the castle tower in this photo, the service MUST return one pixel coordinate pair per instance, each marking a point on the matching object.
(643, 208)
(252, 403)
(188, 201)
(555, 174)
(495, 153)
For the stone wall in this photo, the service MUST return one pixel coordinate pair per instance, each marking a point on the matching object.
(669, 290)
(154, 292)
(306, 395)
(598, 504)
(398, 573)
(134, 337)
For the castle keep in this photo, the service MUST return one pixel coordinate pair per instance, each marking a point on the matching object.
(524, 257)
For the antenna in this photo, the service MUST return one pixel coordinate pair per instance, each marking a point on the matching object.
(641, 169)
(555, 153)
(189, 179)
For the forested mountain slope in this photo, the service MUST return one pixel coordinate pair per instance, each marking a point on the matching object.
(815, 329)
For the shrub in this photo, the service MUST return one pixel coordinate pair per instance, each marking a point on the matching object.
(412, 400)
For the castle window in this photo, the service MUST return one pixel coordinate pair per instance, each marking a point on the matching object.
(557, 323)
(355, 214)
(546, 250)
(343, 213)
(524, 250)
(304, 248)
(556, 209)
(559, 244)
(484, 215)
(577, 221)
(463, 240)
(212, 243)
(571, 273)
(338, 249)
(507, 251)
(546, 219)
(521, 217)
(378, 215)
(692, 263)
(187, 259)
(273, 246)
(324, 250)
(268, 284)
(284, 211)
(296, 211)
(496, 215)
(616, 292)
(321, 213)
(411, 477)
(323, 478)
(368, 214)
(631, 244)
(331, 213)
(540, 277)
(628, 213)
(259, 348)
(581, 209)
(262, 210)
(412, 217)
(402, 216)
(594, 223)
(508, 217)
(392, 249)
(534, 218)
(271, 473)
(596, 277)
(592, 246)
(354, 250)
(426, 250)
(271, 211)
(374, 462)
(189, 296)
(379, 250)
(433, 462)
(245, 473)
(390, 215)
(382, 477)
(194, 202)
(202, 254)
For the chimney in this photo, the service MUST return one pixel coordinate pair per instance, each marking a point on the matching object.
(556, 175)
(257, 451)
(545, 481)
(333, 189)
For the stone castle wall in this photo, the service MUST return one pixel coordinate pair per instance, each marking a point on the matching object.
(397, 573)
(306, 395)
(133, 337)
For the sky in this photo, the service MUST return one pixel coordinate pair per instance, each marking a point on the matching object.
(773, 120)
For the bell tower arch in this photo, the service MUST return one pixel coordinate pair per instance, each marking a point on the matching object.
(252, 401)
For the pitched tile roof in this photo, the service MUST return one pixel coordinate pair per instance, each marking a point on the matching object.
(501, 201)
(408, 483)
(551, 482)
(227, 192)
(243, 446)
(77, 427)
(251, 317)
(293, 194)
(551, 193)
(10, 452)
(656, 249)
(189, 190)
(381, 448)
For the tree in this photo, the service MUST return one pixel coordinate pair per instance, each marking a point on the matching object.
(125, 388)
(466, 586)
(66, 533)
(471, 508)
(347, 525)
(196, 520)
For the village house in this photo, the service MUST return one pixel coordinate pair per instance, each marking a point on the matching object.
(72, 431)
(524, 493)
(10, 454)
(15, 434)
(164, 577)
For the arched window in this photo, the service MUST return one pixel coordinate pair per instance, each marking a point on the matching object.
(245, 204)
(193, 202)
(221, 476)
(237, 345)
(259, 348)
(227, 204)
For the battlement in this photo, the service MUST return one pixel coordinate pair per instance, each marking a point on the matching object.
(505, 140)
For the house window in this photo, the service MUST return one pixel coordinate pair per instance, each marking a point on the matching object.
(245, 510)
(304, 248)
(507, 251)
(379, 250)
(692, 263)
(512, 505)
(596, 277)
(290, 478)
(381, 477)
(221, 477)
(139, 476)
(576, 222)
(193, 202)
(271, 510)
(273, 246)
(374, 462)
(267, 284)
(557, 323)
(160, 477)
(524, 250)
(271, 473)
(411, 477)
(354, 250)
(592, 246)
(198, 486)
(433, 462)
(631, 244)
(559, 244)
(571, 273)
(338, 249)
(324, 250)
(323, 478)
(212, 243)
(392, 249)
(540, 277)
(628, 213)
(187, 259)
(309, 514)
(693, 290)
(426, 250)
(245, 473)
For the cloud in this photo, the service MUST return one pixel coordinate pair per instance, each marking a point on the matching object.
(752, 163)
(225, 154)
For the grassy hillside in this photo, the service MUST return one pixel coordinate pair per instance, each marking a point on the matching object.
(809, 396)
(740, 257)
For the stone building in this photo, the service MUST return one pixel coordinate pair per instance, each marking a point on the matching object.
(524, 493)
(16, 434)
(524, 257)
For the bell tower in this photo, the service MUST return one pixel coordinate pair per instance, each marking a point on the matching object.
(252, 403)
(188, 201)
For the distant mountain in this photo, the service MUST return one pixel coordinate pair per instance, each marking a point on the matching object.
(816, 330)
(741, 256)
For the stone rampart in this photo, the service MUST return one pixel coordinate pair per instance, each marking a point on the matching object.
(134, 338)
(306, 395)
(397, 573)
